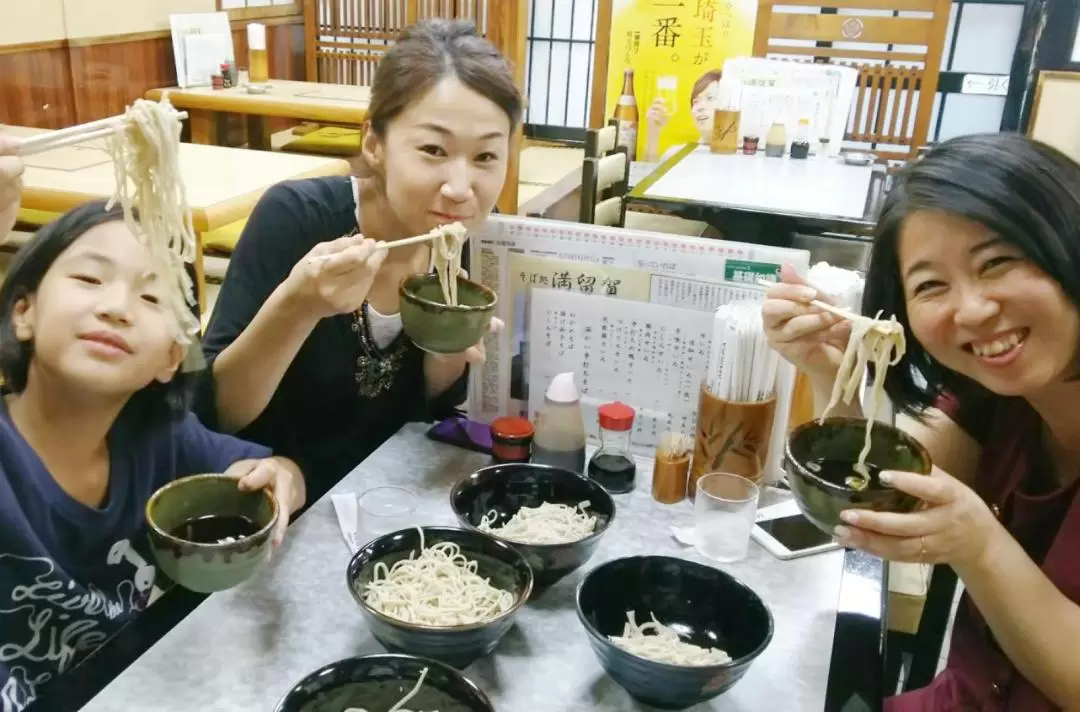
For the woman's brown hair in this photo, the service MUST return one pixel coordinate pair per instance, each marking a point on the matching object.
(431, 50)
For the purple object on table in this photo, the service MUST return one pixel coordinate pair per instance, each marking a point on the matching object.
(459, 430)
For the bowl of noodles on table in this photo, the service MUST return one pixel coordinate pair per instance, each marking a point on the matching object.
(673, 633)
(554, 517)
(439, 592)
(443, 312)
(385, 683)
(828, 471)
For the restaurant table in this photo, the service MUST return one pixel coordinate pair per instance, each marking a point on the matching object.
(243, 649)
(338, 104)
(223, 184)
(761, 199)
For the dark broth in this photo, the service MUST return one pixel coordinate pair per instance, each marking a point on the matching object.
(843, 474)
(215, 528)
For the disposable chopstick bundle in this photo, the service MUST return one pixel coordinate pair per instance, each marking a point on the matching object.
(742, 366)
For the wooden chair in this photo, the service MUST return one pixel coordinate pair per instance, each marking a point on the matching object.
(345, 39)
(601, 142)
(608, 176)
(898, 58)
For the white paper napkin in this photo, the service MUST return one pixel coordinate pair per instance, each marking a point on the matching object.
(347, 515)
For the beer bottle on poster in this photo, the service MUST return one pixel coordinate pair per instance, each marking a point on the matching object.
(626, 113)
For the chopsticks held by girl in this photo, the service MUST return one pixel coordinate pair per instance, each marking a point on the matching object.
(93, 420)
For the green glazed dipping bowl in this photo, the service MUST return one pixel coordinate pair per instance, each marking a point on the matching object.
(822, 500)
(206, 568)
(437, 327)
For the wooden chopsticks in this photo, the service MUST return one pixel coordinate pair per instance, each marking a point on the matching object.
(76, 134)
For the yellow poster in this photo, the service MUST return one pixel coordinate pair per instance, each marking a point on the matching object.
(673, 52)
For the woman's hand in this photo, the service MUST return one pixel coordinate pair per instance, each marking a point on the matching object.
(812, 339)
(335, 277)
(278, 475)
(953, 526)
(11, 170)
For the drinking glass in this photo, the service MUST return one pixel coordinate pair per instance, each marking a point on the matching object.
(724, 513)
(386, 509)
(665, 89)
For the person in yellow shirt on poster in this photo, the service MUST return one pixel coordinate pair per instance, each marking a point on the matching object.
(703, 97)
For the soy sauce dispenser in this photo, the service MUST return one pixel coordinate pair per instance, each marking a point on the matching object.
(612, 466)
(560, 428)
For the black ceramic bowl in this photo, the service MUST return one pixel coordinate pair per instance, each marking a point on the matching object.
(706, 606)
(459, 645)
(377, 682)
(507, 488)
(822, 495)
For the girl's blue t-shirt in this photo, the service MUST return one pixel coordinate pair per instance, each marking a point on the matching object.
(72, 575)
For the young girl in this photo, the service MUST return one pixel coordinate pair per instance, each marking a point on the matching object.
(93, 420)
(308, 354)
(977, 254)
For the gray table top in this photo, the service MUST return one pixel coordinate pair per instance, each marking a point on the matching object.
(242, 649)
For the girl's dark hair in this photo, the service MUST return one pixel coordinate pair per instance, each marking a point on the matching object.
(1025, 192)
(431, 50)
(155, 402)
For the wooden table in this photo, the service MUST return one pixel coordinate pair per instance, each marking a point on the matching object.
(223, 184)
(305, 101)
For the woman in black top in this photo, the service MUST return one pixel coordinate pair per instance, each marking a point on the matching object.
(306, 349)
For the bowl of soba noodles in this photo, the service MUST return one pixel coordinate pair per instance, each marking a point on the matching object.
(822, 462)
(380, 683)
(672, 632)
(206, 534)
(440, 592)
(443, 325)
(554, 517)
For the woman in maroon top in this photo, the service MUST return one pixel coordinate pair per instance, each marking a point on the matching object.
(977, 254)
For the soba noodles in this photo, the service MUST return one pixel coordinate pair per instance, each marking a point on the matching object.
(146, 152)
(875, 341)
(446, 254)
(399, 705)
(547, 524)
(439, 587)
(660, 643)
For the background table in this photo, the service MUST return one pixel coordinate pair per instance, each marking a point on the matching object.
(243, 649)
(785, 195)
(223, 184)
(304, 101)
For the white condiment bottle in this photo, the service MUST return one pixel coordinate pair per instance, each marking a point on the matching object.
(560, 427)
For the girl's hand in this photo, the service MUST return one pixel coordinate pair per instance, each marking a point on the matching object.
(335, 276)
(953, 526)
(812, 339)
(273, 475)
(11, 170)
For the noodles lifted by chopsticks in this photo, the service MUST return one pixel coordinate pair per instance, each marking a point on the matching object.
(660, 643)
(399, 705)
(439, 587)
(547, 524)
(146, 151)
(446, 254)
(874, 341)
